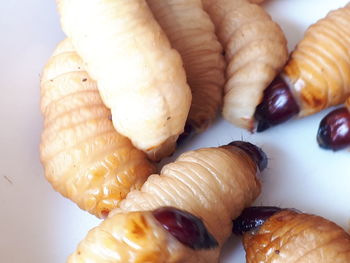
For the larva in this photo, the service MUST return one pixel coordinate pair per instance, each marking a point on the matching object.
(317, 75)
(255, 50)
(279, 235)
(192, 34)
(84, 158)
(214, 184)
(140, 77)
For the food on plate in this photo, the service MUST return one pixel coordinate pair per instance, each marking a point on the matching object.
(140, 77)
(84, 158)
(191, 32)
(334, 130)
(164, 235)
(255, 50)
(214, 184)
(317, 74)
(278, 235)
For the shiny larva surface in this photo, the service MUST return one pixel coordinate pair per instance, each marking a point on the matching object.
(334, 130)
(252, 218)
(185, 227)
(31, 208)
(291, 236)
(278, 105)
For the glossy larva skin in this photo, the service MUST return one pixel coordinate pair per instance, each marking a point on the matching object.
(84, 158)
(334, 130)
(318, 72)
(278, 105)
(140, 77)
(134, 237)
(192, 34)
(255, 50)
(289, 236)
(200, 182)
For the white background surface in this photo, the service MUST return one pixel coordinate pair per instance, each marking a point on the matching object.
(38, 225)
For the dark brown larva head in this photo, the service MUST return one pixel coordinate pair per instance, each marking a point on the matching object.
(256, 153)
(278, 105)
(185, 227)
(252, 218)
(334, 130)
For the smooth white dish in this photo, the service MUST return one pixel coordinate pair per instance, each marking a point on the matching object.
(38, 225)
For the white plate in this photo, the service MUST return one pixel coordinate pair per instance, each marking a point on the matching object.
(38, 225)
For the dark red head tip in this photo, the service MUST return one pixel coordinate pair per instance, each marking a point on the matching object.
(252, 218)
(256, 153)
(334, 130)
(278, 105)
(185, 227)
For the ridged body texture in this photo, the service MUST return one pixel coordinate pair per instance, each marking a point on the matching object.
(290, 237)
(131, 238)
(214, 184)
(140, 77)
(192, 34)
(84, 158)
(318, 72)
(255, 49)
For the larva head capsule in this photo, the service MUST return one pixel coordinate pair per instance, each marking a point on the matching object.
(252, 218)
(256, 153)
(185, 227)
(278, 105)
(334, 130)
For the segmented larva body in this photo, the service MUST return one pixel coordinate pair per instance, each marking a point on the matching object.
(289, 237)
(255, 50)
(140, 77)
(84, 158)
(200, 182)
(131, 237)
(192, 34)
(214, 184)
(318, 72)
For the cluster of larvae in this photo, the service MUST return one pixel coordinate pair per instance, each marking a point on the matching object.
(316, 77)
(131, 77)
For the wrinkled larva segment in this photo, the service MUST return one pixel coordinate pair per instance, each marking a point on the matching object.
(255, 49)
(84, 158)
(192, 34)
(318, 72)
(289, 236)
(134, 237)
(140, 77)
(215, 184)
